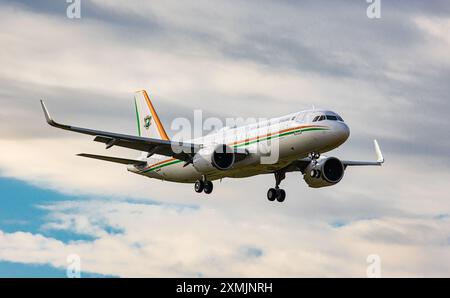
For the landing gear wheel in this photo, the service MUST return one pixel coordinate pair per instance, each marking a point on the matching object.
(208, 187)
(277, 193)
(281, 195)
(314, 157)
(198, 186)
(271, 194)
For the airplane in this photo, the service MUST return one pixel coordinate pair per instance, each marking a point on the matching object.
(233, 152)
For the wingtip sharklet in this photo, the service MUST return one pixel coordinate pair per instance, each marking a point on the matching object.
(48, 118)
(378, 152)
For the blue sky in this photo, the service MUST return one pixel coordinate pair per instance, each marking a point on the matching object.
(388, 78)
(21, 207)
(21, 211)
(19, 270)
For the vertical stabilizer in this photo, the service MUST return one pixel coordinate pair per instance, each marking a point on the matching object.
(148, 122)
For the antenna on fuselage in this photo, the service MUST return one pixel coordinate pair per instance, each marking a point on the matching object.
(313, 107)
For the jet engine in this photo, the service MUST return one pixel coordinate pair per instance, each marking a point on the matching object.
(220, 157)
(325, 172)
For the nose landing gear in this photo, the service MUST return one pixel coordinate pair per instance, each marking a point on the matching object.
(314, 156)
(277, 193)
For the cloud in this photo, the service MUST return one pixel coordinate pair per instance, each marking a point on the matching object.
(168, 250)
(388, 78)
(374, 75)
(176, 242)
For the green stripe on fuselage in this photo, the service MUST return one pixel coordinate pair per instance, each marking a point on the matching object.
(279, 135)
(244, 144)
(163, 165)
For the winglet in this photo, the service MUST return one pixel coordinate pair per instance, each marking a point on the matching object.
(379, 162)
(380, 157)
(49, 119)
(46, 113)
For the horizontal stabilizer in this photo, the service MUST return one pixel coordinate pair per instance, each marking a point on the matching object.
(124, 161)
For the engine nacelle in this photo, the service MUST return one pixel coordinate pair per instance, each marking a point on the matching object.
(209, 159)
(325, 172)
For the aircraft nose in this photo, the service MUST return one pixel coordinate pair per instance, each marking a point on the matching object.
(343, 131)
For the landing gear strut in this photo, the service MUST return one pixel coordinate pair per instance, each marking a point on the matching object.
(203, 185)
(314, 157)
(277, 193)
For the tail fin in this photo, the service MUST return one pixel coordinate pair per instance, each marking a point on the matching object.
(148, 122)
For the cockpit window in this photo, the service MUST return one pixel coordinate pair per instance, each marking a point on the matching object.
(327, 117)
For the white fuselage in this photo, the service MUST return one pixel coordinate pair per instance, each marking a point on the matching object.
(294, 136)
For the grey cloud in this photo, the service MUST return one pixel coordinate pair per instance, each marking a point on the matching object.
(85, 108)
(327, 41)
(344, 28)
(251, 252)
(407, 232)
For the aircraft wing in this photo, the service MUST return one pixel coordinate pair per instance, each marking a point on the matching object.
(301, 164)
(378, 162)
(179, 150)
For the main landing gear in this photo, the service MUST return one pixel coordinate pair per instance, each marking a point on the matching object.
(203, 185)
(277, 193)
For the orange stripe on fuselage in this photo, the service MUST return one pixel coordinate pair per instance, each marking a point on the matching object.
(161, 130)
(161, 162)
(244, 141)
(274, 133)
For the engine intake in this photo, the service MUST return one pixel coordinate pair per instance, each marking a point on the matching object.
(220, 157)
(325, 172)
